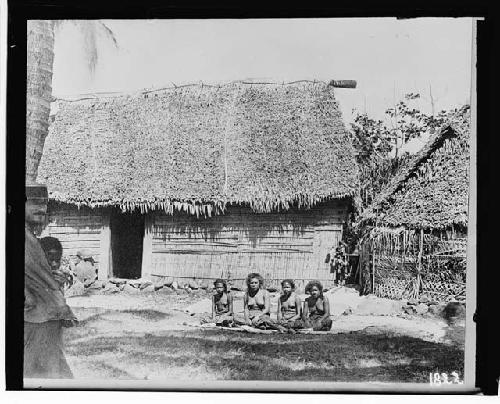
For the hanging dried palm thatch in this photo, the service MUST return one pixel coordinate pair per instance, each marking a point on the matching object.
(198, 148)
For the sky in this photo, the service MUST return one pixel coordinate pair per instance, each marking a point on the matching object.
(387, 57)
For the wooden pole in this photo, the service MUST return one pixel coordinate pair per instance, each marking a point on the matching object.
(147, 248)
(373, 269)
(419, 264)
(104, 271)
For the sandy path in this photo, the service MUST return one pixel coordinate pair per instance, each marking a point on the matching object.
(116, 314)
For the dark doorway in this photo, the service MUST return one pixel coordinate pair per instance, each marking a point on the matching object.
(127, 234)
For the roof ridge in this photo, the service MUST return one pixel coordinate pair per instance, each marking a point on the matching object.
(120, 94)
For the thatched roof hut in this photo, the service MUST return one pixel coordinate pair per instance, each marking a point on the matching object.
(414, 233)
(431, 190)
(198, 148)
(137, 179)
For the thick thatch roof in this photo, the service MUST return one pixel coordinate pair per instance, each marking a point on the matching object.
(201, 147)
(431, 191)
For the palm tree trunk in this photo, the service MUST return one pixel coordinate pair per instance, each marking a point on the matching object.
(40, 58)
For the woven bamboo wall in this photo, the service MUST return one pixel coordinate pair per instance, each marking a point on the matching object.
(391, 265)
(75, 228)
(278, 245)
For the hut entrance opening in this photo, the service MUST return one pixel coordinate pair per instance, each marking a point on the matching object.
(127, 235)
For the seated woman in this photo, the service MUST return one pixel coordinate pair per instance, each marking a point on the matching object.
(317, 308)
(257, 305)
(84, 269)
(289, 307)
(222, 306)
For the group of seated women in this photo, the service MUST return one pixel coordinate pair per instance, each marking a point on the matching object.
(257, 307)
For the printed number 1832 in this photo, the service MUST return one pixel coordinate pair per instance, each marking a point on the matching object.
(443, 378)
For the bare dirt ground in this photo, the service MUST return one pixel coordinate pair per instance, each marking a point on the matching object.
(154, 336)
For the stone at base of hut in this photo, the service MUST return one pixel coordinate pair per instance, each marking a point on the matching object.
(204, 284)
(130, 289)
(424, 299)
(167, 281)
(89, 282)
(188, 290)
(121, 286)
(409, 309)
(412, 302)
(117, 281)
(421, 308)
(193, 284)
(174, 285)
(111, 288)
(146, 284)
(77, 289)
(158, 285)
(135, 283)
(139, 283)
(98, 284)
(148, 289)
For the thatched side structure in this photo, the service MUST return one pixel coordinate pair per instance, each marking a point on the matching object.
(431, 192)
(202, 181)
(198, 148)
(414, 234)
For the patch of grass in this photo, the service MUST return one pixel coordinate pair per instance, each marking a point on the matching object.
(145, 314)
(341, 357)
(100, 369)
(92, 318)
(96, 346)
(152, 315)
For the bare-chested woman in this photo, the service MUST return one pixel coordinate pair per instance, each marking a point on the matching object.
(317, 308)
(257, 304)
(222, 306)
(289, 307)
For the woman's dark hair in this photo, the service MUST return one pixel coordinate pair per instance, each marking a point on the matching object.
(255, 275)
(51, 243)
(221, 281)
(289, 281)
(311, 284)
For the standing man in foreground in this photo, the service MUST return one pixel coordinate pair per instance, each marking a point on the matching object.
(45, 309)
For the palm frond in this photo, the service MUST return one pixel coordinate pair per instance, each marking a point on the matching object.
(108, 33)
(90, 30)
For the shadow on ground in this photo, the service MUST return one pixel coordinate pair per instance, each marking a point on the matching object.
(219, 355)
